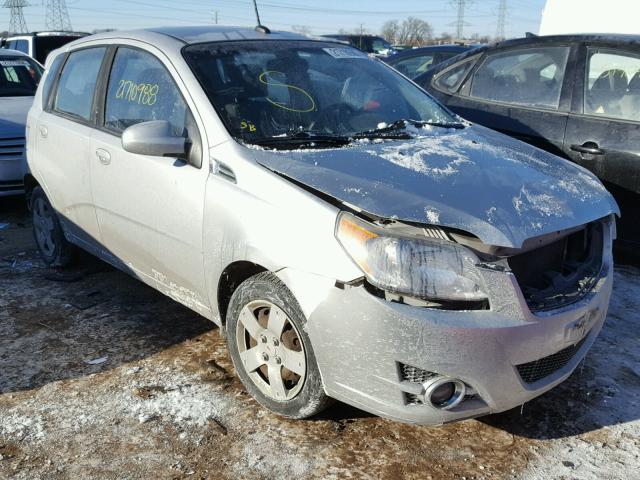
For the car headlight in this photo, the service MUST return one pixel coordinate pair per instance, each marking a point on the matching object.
(424, 268)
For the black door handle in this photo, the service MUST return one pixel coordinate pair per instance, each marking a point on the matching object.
(590, 148)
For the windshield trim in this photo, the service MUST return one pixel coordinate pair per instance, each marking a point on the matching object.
(248, 143)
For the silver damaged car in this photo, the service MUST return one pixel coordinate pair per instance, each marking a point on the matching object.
(353, 239)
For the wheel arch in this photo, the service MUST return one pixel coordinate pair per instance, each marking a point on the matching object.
(230, 278)
(30, 184)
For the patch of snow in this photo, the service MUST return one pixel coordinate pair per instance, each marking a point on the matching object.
(433, 215)
(542, 203)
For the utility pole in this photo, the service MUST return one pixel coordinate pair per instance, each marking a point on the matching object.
(57, 17)
(215, 17)
(502, 20)
(17, 23)
(461, 6)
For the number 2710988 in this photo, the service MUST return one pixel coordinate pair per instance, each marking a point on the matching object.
(140, 93)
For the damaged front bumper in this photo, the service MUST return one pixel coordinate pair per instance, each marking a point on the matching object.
(376, 354)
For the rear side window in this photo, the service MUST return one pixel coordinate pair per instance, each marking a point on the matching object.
(612, 88)
(531, 77)
(78, 83)
(49, 80)
(451, 79)
(141, 90)
(20, 45)
(414, 66)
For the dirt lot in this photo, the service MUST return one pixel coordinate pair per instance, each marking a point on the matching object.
(102, 377)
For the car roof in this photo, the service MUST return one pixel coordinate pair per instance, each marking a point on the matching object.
(410, 52)
(12, 53)
(57, 33)
(574, 38)
(200, 34)
(350, 35)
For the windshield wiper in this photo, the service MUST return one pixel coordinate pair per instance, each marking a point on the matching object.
(301, 139)
(395, 129)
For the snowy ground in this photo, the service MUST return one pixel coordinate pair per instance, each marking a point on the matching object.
(161, 400)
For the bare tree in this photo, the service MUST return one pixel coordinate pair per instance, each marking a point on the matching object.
(390, 31)
(414, 32)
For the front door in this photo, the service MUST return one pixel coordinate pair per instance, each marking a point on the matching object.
(521, 93)
(150, 209)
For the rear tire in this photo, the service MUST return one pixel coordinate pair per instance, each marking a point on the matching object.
(54, 248)
(270, 348)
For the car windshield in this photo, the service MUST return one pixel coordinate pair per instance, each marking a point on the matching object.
(19, 76)
(280, 89)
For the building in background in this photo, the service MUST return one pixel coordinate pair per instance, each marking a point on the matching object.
(590, 16)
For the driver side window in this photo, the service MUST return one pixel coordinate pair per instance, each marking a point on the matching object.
(141, 90)
(531, 77)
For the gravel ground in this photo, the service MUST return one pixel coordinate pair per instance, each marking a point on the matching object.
(102, 377)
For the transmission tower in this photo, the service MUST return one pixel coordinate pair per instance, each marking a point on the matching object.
(16, 23)
(461, 6)
(58, 16)
(502, 20)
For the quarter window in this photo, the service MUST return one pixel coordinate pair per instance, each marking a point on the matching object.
(531, 77)
(50, 79)
(78, 83)
(612, 88)
(141, 90)
(451, 79)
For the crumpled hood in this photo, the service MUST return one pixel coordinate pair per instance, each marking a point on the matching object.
(476, 180)
(13, 116)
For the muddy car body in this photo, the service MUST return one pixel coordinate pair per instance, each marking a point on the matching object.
(424, 269)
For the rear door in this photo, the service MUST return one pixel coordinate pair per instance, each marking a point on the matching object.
(603, 131)
(521, 91)
(63, 133)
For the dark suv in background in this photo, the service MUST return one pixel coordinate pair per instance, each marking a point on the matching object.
(373, 44)
(576, 96)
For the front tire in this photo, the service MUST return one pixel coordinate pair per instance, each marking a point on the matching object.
(54, 248)
(270, 348)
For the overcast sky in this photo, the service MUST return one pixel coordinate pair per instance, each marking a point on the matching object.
(320, 16)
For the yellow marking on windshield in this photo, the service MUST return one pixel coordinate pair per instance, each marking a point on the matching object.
(244, 125)
(262, 79)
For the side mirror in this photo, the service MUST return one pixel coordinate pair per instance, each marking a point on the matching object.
(155, 138)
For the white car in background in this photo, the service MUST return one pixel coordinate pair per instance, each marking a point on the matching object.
(19, 78)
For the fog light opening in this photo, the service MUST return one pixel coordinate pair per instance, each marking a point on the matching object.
(444, 393)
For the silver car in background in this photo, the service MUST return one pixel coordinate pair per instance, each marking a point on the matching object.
(19, 78)
(353, 239)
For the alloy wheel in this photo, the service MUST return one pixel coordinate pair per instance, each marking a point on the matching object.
(271, 350)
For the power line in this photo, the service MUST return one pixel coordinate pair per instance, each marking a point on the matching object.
(57, 17)
(461, 6)
(502, 19)
(17, 24)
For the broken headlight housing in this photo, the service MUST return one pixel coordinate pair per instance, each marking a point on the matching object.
(426, 268)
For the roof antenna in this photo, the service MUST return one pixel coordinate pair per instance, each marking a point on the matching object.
(259, 28)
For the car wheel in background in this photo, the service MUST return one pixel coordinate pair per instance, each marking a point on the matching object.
(54, 248)
(271, 350)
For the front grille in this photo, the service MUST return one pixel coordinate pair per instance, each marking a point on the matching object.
(537, 370)
(561, 272)
(11, 148)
